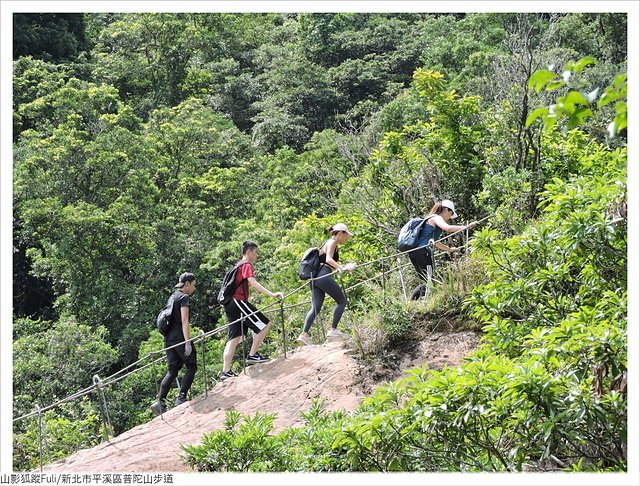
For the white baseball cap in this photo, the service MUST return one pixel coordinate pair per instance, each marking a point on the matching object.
(449, 205)
(341, 227)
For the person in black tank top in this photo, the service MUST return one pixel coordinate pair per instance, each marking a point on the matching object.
(324, 283)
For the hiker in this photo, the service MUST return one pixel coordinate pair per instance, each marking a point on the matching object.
(239, 307)
(437, 222)
(183, 354)
(325, 284)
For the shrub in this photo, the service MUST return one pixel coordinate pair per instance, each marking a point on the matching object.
(546, 392)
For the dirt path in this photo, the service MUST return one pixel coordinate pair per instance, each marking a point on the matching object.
(284, 387)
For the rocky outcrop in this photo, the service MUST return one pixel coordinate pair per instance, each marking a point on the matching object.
(282, 386)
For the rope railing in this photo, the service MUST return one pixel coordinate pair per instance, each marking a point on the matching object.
(430, 243)
(202, 336)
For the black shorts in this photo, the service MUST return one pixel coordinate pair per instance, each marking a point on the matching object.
(253, 319)
(422, 260)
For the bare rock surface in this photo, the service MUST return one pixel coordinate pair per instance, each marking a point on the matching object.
(282, 386)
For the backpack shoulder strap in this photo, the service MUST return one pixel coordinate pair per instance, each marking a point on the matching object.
(238, 265)
(322, 264)
(172, 300)
(171, 305)
(428, 218)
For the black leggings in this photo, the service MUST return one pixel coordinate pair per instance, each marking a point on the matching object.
(422, 260)
(319, 288)
(175, 360)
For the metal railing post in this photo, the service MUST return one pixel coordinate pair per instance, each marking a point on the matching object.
(347, 307)
(39, 411)
(204, 363)
(244, 345)
(404, 287)
(106, 421)
(284, 331)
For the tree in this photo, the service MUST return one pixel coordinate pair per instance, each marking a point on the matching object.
(50, 360)
(49, 36)
(431, 159)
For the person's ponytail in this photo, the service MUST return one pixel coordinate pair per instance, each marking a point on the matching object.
(436, 209)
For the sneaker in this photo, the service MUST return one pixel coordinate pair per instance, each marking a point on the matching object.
(257, 358)
(180, 399)
(225, 375)
(158, 408)
(335, 333)
(305, 340)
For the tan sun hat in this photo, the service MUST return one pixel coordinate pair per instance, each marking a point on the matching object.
(341, 227)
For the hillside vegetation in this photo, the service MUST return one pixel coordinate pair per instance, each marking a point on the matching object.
(146, 145)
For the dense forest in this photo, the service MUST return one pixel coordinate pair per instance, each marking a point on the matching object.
(149, 144)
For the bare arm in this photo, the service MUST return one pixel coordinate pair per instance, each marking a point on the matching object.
(258, 286)
(449, 228)
(184, 314)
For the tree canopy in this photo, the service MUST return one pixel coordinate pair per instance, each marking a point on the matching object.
(149, 144)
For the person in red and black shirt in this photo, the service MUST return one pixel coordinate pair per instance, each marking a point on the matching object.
(239, 307)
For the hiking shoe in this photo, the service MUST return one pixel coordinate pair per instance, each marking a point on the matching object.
(305, 340)
(335, 333)
(257, 358)
(180, 399)
(225, 375)
(158, 408)
(419, 292)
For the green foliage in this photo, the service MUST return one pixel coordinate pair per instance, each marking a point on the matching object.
(455, 280)
(245, 445)
(575, 107)
(382, 323)
(537, 412)
(50, 36)
(562, 263)
(182, 135)
(616, 92)
(507, 195)
(49, 363)
(423, 163)
(395, 321)
(34, 78)
(299, 185)
(64, 431)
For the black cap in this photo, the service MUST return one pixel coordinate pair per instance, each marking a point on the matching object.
(185, 277)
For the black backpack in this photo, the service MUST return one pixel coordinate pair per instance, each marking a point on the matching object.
(309, 264)
(164, 319)
(408, 237)
(228, 285)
